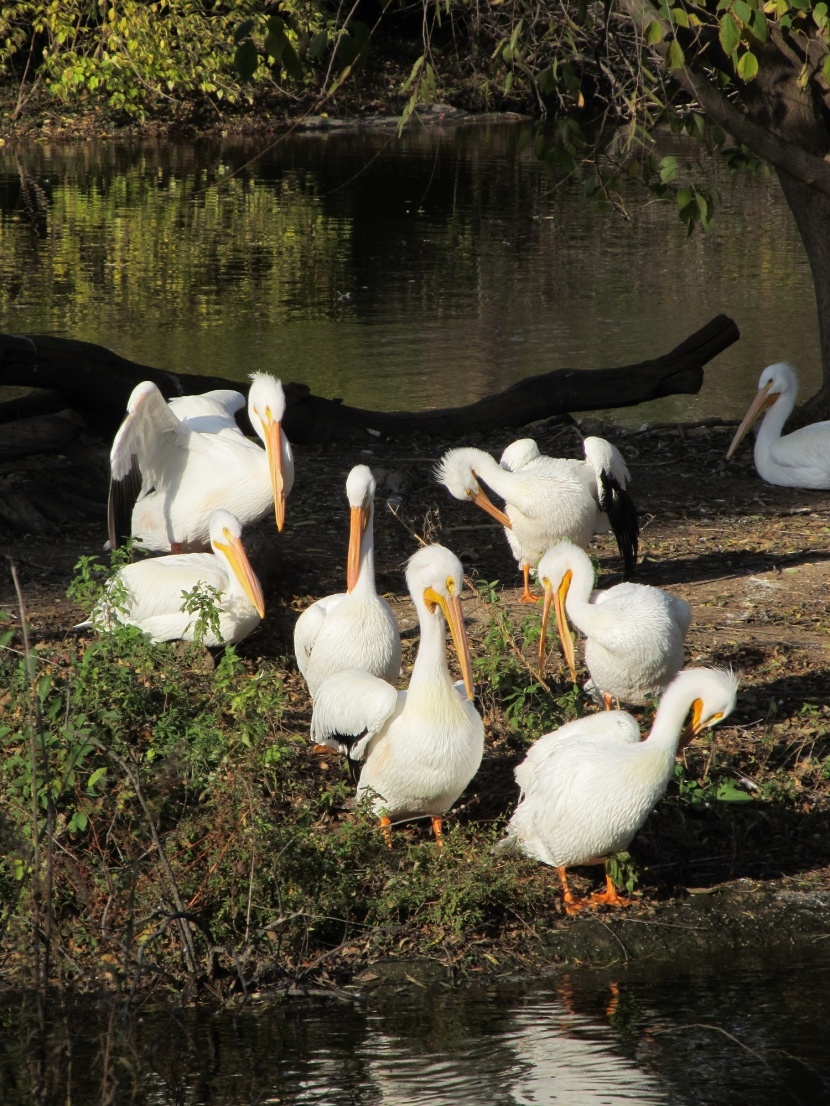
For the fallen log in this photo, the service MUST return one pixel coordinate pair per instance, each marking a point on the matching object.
(97, 382)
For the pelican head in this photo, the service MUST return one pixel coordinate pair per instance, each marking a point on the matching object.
(458, 472)
(360, 489)
(776, 381)
(266, 407)
(435, 577)
(555, 573)
(712, 692)
(520, 454)
(226, 542)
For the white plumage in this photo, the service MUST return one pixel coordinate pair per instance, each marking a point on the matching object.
(588, 787)
(356, 628)
(604, 475)
(544, 503)
(172, 464)
(797, 460)
(149, 593)
(634, 633)
(424, 745)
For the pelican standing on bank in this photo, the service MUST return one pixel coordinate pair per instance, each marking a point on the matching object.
(355, 628)
(150, 593)
(172, 464)
(634, 633)
(605, 475)
(421, 746)
(545, 502)
(588, 787)
(797, 460)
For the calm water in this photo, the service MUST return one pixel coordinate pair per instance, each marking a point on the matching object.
(747, 1034)
(396, 274)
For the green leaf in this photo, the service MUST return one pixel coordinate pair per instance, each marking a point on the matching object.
(246, 60)
(675, 58)
(742, 10)
(97, 775)
(729, 35)
(758, 25)
(680, 17)
(654, 33)
(668, 169)
(729, 792)
(747, 66)
(318, 44)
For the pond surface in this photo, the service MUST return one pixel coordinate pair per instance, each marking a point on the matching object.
(398, 274)
(747, 1033)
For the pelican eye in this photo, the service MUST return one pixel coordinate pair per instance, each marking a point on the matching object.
(451, 586)
(268, 413)
(226, 533)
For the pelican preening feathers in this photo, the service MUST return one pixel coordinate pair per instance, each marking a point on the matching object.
(422, 746)
(355, 628)
(150, 593)
(588, 787)
(547, 499)
(797, 460)
(634, 633)
(172, 464)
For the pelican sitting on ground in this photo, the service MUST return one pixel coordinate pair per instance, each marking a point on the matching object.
(541, 506)
(797, 460)
(356, 628)
(424, 745)
(588, 787)
(150, 593)
(172, 464)
(634, 633)
(605, 475)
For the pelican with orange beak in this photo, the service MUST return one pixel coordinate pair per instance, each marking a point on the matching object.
(172, 463)
(800, 459)
(589, 786)
(355, 628)
(420, 747)
(544, 503)
(634, 633)
(150, 593)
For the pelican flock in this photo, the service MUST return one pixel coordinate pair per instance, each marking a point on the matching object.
(149, 593)
(800, 459)
(172, 464)
(634, 633)
(355, 628)
(588, 787)
(421, 747)
(183, 476)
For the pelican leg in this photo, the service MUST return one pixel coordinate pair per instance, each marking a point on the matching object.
(436, 829)
(608, 700)
(176, 547)
(527, 595)
(572, 905)
(386, 830)
(610, 896)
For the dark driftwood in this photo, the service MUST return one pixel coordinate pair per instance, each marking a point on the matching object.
(97, 383)
(46, 434)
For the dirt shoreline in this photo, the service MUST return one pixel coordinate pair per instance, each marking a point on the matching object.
(753, 561)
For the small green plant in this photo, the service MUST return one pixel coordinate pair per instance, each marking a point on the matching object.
(203, 600)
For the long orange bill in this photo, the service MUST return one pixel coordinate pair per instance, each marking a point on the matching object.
(764, 399)
(273, 447)
(557, 598)
(481, 500)
(357, 528)
(451, 609)
(696, 724)
(241, 567)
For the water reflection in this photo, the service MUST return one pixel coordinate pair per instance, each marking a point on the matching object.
(747, 1032)
(414, 273)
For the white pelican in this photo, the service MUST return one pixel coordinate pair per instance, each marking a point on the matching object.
(176, 462)
(149, 593)
(545, 502)
(605, 474)
(356, 628)
(634, 633)
(797, 460)
(588, 787)
(424, 745)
